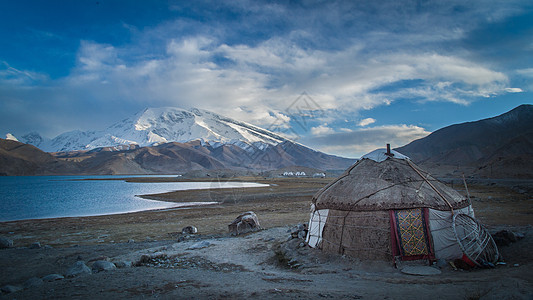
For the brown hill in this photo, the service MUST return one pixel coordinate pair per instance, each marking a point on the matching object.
(498, 147)
(17, 159)
(171, 158)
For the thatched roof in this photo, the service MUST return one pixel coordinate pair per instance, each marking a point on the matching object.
(393, 183)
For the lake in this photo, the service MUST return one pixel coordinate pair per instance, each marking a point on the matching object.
(41, 197)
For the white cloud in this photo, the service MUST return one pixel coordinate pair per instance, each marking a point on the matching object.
(372, 60)
(322, 130)
(366, 122)
(359, 142)
(513, 90)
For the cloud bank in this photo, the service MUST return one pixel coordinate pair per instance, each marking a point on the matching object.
(349, 56)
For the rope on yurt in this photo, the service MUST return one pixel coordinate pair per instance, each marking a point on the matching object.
(431, 185)
(342, 231)
(467, 195)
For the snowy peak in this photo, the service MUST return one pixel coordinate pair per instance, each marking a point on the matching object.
(11, 137)
(154, 126)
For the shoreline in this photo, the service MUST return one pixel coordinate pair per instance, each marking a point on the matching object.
(284, 202)
(133, 203)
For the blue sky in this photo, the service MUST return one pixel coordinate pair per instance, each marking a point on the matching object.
(343, 77)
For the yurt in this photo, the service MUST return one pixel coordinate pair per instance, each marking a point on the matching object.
(384, 207)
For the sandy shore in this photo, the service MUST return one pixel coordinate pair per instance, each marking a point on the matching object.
(246, 266)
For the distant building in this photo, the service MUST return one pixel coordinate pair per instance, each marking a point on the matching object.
(319, 175)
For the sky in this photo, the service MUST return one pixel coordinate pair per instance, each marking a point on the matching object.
(342, 77)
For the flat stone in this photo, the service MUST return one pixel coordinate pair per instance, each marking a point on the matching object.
(52, 277)
(420, 270)
(199, 245)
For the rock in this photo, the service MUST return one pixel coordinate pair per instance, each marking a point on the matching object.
(189, 230)
(35, 245)
(48, 247)
(505, 237)
(10, 289)
(299, 231)
(52, 277)
(5, 243)
(33, 282)
(123, 264)
(131, 241)
(199, 245)
(103, 265)
(77, 269)
(246, 222)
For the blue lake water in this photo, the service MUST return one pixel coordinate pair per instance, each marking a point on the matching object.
(40, 197)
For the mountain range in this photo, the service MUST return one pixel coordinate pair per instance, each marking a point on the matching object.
(169, 140)
(498, 147)
(155, 126)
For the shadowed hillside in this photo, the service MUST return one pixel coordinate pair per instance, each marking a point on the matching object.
(498, 147)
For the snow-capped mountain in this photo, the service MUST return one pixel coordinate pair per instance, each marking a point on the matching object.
(155, 126)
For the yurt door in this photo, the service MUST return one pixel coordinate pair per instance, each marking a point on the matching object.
(410, 234)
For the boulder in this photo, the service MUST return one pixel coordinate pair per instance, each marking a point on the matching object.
(246, 222)
(77, 269)
(189, 230)
(5, 243)
(52, 277)
(103, 265)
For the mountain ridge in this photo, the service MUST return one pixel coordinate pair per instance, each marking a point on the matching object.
(475, 147)
(154, 126)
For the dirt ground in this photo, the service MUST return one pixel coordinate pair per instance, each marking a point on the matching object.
(247, 266)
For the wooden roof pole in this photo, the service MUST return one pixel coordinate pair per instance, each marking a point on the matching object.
(431, 185)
